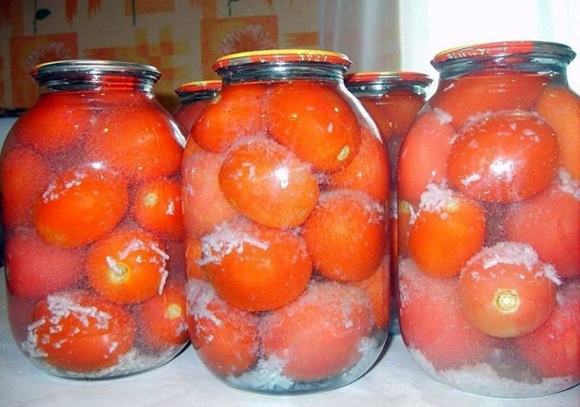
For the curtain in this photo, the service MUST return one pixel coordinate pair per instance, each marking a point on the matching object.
(406, 34)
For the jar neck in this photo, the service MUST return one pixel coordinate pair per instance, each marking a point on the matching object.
(96, 83)
(274, 72)
(380, 89)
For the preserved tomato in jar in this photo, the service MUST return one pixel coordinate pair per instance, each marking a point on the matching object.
(489, 222)
(193, 98)
(91, 211)
(392, 99)
(286, 195)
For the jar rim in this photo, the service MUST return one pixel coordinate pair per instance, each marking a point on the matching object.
(94, 67)
(503, 49)
(277, 56)
(199, 86)
(387, 76)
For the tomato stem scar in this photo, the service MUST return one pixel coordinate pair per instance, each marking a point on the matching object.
(506, 300)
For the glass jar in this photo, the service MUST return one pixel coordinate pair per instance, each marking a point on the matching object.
(94, 254)
(285, 193)
(392, 99)
(193, 97)
(489, 222)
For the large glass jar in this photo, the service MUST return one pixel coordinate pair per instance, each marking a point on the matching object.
(285, 189)
(193, 98)
(489, 222)
(392, 99)
(91, 210)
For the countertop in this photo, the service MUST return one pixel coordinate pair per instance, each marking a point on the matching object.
(396, 381)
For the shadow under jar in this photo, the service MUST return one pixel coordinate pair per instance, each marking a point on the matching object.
(94, 254)
(489, 222)
(286, 193)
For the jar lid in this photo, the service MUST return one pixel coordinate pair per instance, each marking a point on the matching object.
(379, 77)
(503, 49)
(281, 56)
(94, 67)
(199, 86)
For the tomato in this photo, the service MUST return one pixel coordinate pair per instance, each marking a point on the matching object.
(23, 175)
(226, 338)
(553, 349)
(268, 184)
(346, 235)
(484, 92)
(315, 122)
(319, 335)
(54, 124)
(236, 112)
(157, 207)
(505, 291)
(550, 223)
(188, 115)
(505, 157)
(79, 206)
(79, 332)
(193, 257)
(368, 171)
(377, 288)
(379, 116)
(35, 268)
(162, 319)
(128, 266)
(432, 323)
(423, 156)
(204, 204)
(561, 109)
(254, 267)
(448, 229)
(145, 147)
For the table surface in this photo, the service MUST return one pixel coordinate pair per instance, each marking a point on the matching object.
(396, 381)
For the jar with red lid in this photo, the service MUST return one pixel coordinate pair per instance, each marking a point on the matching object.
(193, 97)
(489, 222)
(91, 211)
(286, 194)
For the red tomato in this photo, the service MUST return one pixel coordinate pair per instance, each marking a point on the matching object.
(79, 332)
(79, 206)
(446, 219)
(254, 267)
(377, 287)
(204, 205)
(157, 207)
(346, 235)
(432, 322)
(505, 291)
(315, 123)
(553, 350)
(423, 157)
(139, 143)
(375, 109)
(505, 157)
(267, 183)
(226, 338)
(478, 94)
(23, 175)
(128, 266)
(35, 268)
(234, 113)
(162, 319)
(55, 123)
(561, 109)
(188, 115)
(368, 171)
(319, 335)
(550, 223)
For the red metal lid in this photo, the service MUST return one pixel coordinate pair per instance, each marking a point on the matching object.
(282, 56)
(386, 77)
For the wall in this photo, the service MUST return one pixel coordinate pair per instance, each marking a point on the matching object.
(182, 38)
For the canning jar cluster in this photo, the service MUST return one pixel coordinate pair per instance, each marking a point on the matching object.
(91, 211)
(285, 194)
(489, 222)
